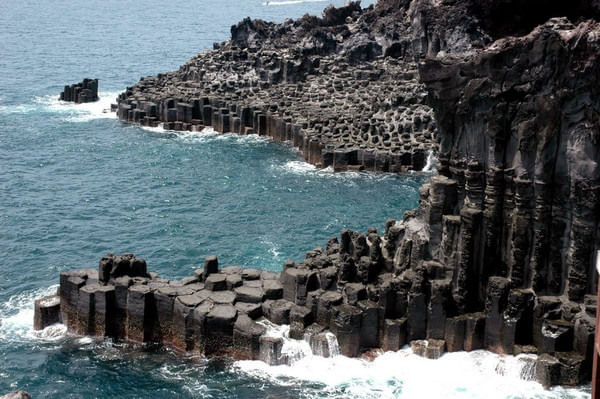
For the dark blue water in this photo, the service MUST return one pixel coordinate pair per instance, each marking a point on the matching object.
(75, 184)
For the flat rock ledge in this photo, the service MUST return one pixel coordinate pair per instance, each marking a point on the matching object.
(351, 289)
(341, 102)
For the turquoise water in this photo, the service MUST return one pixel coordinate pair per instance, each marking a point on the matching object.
(75, 183)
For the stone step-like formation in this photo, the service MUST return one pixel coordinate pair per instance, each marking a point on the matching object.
(83, 92)
(351, 290)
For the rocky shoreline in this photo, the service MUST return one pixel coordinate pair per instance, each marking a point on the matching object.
(308, 82)
(500, 253)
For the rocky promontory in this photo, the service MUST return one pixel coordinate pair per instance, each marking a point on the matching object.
(500, 253)
(340, 89)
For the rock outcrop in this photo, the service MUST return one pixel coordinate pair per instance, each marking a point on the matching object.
(500, 253)
(515, 210)
(520, 141)
(84, 92)
(322, 83)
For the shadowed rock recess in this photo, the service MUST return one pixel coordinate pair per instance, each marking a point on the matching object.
(499, 254)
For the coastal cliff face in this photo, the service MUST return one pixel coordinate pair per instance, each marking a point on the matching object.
(519, 138)
(499, 254)
(513, 216)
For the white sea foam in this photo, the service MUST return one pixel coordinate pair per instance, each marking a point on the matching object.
(294, 350)
(85, 112)
(155, 129)
(247, 138)
(405, 375)
(431, 163)
(402, 374)
(16, 318)
(53, 333)
(302, 168)
(81, 112)
(273, 247)
(70, 111)
(298, 167)
(84, 341)
(208, 134)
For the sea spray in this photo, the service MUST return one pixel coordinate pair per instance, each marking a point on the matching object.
(332, 344)
(403, 374)
(79, 113)
(16, 317)
(294, 350)
(432, 161)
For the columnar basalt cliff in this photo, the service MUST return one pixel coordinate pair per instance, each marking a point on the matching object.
(499, 254)
(514, 212)
(519, 126)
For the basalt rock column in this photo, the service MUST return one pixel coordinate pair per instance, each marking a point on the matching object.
(521, 143)
(46, 312)
(537, 127)
(83, 92)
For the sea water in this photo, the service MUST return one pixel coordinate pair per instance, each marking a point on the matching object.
(76, 183)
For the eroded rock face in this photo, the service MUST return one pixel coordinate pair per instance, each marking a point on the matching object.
(514, 215)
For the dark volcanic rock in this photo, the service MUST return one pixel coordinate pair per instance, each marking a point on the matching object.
(112, 267)
(323, 84)
(84, 92)
(500, 253)
(528, 109)
(47, 312)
